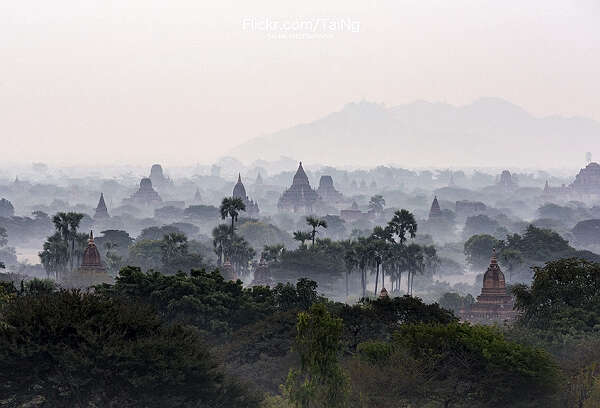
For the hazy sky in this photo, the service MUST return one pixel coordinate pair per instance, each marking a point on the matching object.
(182, 81)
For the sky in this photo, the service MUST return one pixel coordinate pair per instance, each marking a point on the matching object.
(183, 81)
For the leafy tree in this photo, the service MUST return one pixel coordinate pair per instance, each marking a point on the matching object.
(462, 365)
(70, 349)
(173, 246)
(512, 259)
(145, 254)
(320, 381)
(455, 302)
(564, 297)
(315, 223)
(478, 249)
(480, 224)
(231, 207)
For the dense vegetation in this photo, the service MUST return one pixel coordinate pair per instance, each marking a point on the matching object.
(190, 339)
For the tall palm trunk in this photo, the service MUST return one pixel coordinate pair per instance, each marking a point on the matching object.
(376, 278)
(347, 273)
(362, 282)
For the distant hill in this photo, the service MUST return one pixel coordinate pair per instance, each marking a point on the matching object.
(490, 131)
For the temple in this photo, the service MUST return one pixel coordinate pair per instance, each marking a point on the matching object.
(239, 191)
(101, 210)
(261, 275)
(6, 208)
(352, 214)
(300, 196)
(435, 211)
(146, 195)
(507, 181)
(92, 271)
(494, 305)
(588, 180)
(158, 177)
(327, 191)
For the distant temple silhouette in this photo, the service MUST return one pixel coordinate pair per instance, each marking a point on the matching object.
(327, 191)
(587, 182)
(435, 211)
(239, 191)
(145, 195)
(101, 210)
(300, 196)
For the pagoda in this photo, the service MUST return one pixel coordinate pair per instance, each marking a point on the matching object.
(327, 191)
(146, 194)
(435, 210)
(239, 191)
(91, 271)
(494, 305)
(300, 196)
(101, 210)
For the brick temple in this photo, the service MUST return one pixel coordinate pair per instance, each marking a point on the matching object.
(495, 304)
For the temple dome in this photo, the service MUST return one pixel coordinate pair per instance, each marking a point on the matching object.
(91, 256)
(493, 279)
(239, 191)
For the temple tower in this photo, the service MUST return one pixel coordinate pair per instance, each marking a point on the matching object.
(300, 196)
(101, 210)
(435, 210)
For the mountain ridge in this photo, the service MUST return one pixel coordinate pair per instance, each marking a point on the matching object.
(488, 131)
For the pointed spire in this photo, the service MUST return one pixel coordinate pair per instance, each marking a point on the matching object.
(239, 177)
(101, 210)
(494, 260)
(91, 240)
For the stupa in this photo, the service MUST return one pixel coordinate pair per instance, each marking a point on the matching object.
(146, 195)
(300, 196)
(158, 177)
(435, 211)
(239, 191)
(327, 191)
(101, 210)
(494, 305)
(92, 271)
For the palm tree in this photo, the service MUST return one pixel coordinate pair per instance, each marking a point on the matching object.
(66, 224)
(172, 246)
(221, 239)
(377, 248)
(377, 204)
(414, 263)
(351, 260)
(271, 253)
(302, 236)
(54, 255)
(362, 252)
(402, 223)
(315, 223)
(231, 207)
